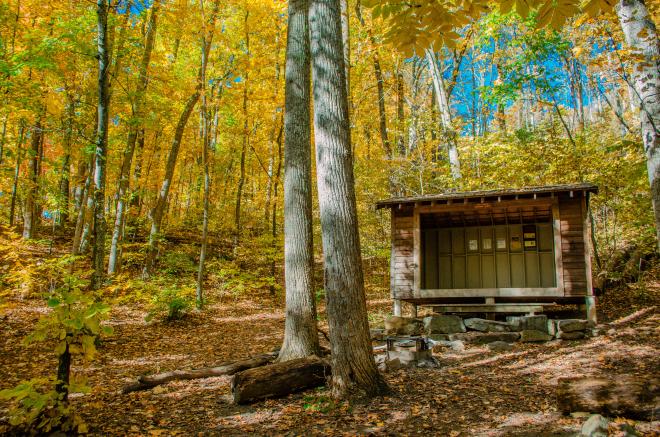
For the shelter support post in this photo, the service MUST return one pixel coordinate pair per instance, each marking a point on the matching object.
(414, 310)
(397, 307)
(590, 304)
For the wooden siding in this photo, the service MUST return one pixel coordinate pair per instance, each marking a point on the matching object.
(572, 251)
(402, 262)
(571, 217)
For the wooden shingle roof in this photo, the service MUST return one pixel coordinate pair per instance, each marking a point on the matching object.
(525, 192)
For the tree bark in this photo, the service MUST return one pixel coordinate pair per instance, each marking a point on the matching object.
(354, 368)
(101, 154)
(279, 379)
(246, 139)
(135, 126)
(300, 335)
(642, 37)
(378, 73)
(65, 173)
(2, 138)
(207, 38)
(627, 396)
(229, 368)
(29, 218)
(449, 135)
(161, 202)
(17, 172)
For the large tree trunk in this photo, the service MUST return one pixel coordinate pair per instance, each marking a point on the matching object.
(300, 335)
(642, 37)
(279, 379)
(626, 396)
(29, 216)
(354, 368)
(135, 127)
(229, 368)
(101, 154)
(449, 135)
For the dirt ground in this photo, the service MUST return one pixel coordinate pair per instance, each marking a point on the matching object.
(475, 392)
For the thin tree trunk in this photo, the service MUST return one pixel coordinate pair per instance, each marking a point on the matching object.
(641, 35)
(124, 177)
(101, 154)
(207, 38)
(401, 145)
(2, 139)
(84, 221)
(300, 335)
(17, 170)
(246, 133)
(353, 367)
(33, 179)
(65, 175)
(378, 72)
(449, 135)
(161, 201)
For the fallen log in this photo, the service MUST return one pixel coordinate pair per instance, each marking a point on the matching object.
(279, 379)
(147, 382)
(626, 396)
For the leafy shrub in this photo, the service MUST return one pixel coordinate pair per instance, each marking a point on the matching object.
(73, 324)
(172, 302)
(38, 408)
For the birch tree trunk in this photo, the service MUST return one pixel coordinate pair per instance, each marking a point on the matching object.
(353, 367)
(101, 154)
(641, 35)
(136, 125)
(449, 135)
(300, 334)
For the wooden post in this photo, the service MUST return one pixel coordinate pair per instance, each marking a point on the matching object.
(417, 261)
(414, 310)
(397, 307)
(590, 304)
(556, 230)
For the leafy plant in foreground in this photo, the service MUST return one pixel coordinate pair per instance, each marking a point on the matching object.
(74, 324)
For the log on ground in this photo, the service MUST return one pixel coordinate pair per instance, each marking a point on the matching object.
(626, 396)
(279, 379)
(229, 368)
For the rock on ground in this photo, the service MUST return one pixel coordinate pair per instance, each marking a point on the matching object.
(570, 325)
(499, 346)
(485, 337)
(403, 326)
(443, 324)
(595, 426)
(532, 335)
(521, 323)
(484, 325)
(574, 335)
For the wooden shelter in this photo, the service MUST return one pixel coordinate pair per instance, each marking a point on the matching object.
(493, 251)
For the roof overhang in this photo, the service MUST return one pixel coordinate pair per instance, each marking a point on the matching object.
(497, 194)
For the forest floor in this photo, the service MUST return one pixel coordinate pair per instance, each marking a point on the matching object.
(473, 393)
